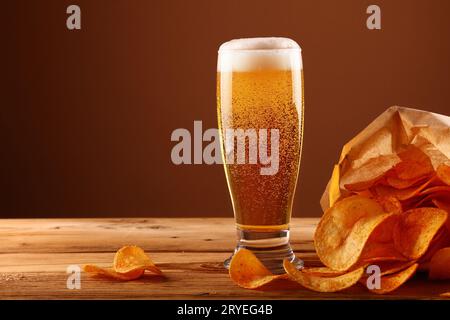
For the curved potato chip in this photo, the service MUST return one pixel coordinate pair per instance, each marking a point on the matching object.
(344, 229)
(368, 173)
(426, 201)
(365, 193)
(416, 229)
(443, 173)
(380, 247)
(248, 272)
(440, 240)
(415, 163)
(385, 230)
(444, 206)
(398, 183)
(322, 272)
(131, 258)
(391, 282)
(400, 194)
(390, 267)
(436, 189)
(323, 284)
(440, 265)
(380, 251)
(108, 272)
(390, 204)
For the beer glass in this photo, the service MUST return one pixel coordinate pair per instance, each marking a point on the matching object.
(260, 115)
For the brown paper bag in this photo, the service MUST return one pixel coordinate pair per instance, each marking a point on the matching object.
(374, 150)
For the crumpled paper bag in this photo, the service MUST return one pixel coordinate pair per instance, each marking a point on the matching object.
(374, 150)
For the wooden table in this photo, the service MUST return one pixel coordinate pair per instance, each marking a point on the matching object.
(35, 254)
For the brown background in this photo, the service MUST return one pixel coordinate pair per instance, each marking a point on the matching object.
(86, 116)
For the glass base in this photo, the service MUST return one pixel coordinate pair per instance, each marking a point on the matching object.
(271, 247)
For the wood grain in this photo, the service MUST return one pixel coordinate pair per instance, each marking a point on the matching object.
(156, 234)
(34, 256)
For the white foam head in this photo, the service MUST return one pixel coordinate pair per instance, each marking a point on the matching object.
(253, 54)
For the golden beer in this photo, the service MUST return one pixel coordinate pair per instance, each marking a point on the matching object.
(260, 88)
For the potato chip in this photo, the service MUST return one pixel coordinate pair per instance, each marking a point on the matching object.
(380, 251)
(363, 176)
(398, 183)
(322, 271)
(445, 295)
(443, 173)
(400, 194)
(344, 229)
(248, 272)
(385, 230)
(435, 190)
(416, 229)
(415, 164)
(130, 263)
(390, 204)
(323, 284)
(365, 193)
(391, 267)
(391, 282)
(110, 273)
(444, 206)
(440, 240)
(426, 201)
(440, 265)
(426, 196)
(131, 258)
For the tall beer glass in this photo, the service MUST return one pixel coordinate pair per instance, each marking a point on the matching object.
(260, 114)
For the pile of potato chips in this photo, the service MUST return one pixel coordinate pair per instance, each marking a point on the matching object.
(130, 263)
(397, 171)
(398, 221)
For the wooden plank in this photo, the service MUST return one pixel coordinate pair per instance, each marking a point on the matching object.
(193, 275)
(153, 234)
(35, 254)
(188, 276)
